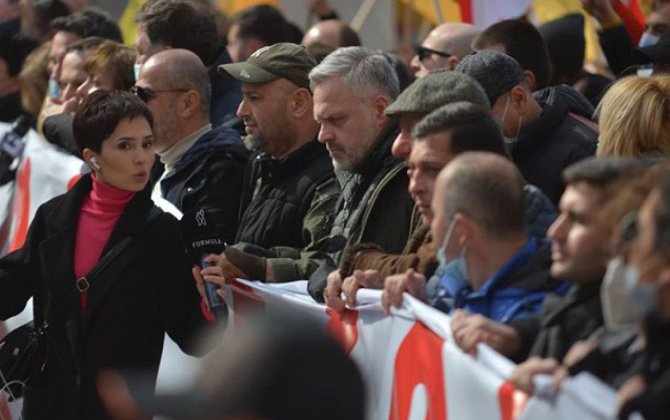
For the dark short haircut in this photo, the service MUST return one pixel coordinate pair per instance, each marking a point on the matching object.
(263, 22)
(100, 114)
(181, 24)
(13, 51)
(349, 37)
(602, 171)
(319, 50)
(85, 44)
(47, 11)
(472, 128)
(89, 22)
(524, 43)
(493, 197)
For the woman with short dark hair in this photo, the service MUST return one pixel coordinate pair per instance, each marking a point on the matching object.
(119, 317)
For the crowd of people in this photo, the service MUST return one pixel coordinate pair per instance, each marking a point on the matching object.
(490, 176)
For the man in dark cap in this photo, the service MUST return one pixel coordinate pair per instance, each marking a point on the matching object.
(289, 188)
(543, 139)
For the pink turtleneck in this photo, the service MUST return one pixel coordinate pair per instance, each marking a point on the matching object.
(99, 213)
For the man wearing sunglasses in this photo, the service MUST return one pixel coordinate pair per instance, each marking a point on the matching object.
(443, 48)
(204, 166)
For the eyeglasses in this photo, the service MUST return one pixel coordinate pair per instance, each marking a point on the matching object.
(423, 52)
(146, 94)
(628, 228)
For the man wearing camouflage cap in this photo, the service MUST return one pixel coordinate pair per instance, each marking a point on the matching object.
(543, 138)
(289, 186)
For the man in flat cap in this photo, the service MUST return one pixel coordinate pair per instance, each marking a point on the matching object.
(543, 139)
(289, 187)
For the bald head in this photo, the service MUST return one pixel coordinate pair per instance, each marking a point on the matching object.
(488, 189)
(179, 69)
(332, 33)
(444, 47)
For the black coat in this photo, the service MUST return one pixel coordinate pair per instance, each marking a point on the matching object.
(152, 292)
(551, 143)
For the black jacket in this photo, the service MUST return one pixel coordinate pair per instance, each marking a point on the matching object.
(551, 143)
(152, 292)
(210, 175)
(226, 94)
(562, 322)
(278, 193)
(653, 363)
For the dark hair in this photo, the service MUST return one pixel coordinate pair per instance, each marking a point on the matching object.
(13, 50)
(523, 42)
(42, 13)
(602, 171)
(89, 22)
(566, 43)
(181, 24)
(100, 114)
(85, 44)
(117, 58)
(492, 194)
(349, 37)
(472, 128)
(263, 22)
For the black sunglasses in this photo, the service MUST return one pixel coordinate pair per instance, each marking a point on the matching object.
(423, 52)
(145, 94)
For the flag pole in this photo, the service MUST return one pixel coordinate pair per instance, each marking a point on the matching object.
(362, 14)
(438, 11)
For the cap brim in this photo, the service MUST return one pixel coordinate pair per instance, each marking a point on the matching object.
(246, 73)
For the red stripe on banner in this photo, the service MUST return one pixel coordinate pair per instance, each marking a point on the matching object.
(632, 17)
(511, 401)
(248, 305)
(466, 10)
(21, 205)
(419, 361)
(343, 326)
(73, 181)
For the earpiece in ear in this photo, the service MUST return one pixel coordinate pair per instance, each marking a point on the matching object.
(94, 163)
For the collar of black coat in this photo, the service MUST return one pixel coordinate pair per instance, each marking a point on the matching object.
(294, 161)
(133, 220)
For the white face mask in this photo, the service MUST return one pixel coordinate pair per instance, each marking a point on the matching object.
(647, 40)
(509, 141)
(625, 301)
(456, 267)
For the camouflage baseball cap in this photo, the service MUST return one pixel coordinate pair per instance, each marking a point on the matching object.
(283, 60)
(436, 89)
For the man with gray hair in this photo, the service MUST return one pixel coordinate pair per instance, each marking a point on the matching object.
(489, 264)
(444, 47)
(204, 167)
(352, 88)
(543, 138)
(450, 130)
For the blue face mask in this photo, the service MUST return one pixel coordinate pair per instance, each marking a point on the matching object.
(647, 40)
(136, 71)
(54, 89)
(455, 268)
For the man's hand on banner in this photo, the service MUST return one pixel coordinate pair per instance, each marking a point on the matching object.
(331, 295)
(469, 330)
(228, 270)
(523, 376)
(370, 279)
(396, 285)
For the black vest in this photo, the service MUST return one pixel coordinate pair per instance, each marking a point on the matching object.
(278, 193)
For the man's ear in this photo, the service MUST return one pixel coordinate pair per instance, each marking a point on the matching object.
(300, 102)
(189, 103)
(519, 99)
(530, 80)
(380, 103)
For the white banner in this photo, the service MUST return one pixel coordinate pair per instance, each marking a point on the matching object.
(411, 367)
(44, 172)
